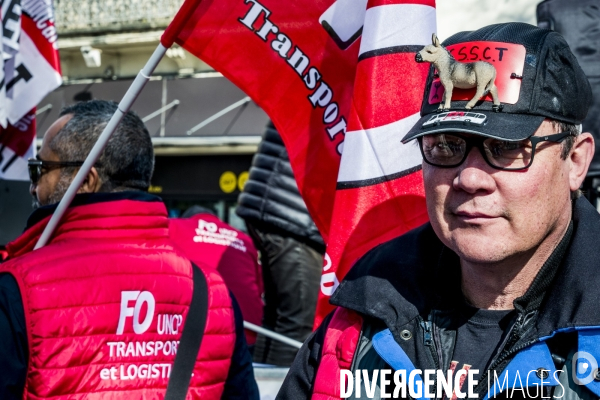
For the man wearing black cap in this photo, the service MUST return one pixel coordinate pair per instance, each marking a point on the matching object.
(498, 294)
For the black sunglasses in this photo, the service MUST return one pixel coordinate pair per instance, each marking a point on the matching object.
(446, 150)
(37, 168)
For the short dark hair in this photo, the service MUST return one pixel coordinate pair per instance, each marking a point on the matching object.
(197, 209)
(567, 144)
(127, 161)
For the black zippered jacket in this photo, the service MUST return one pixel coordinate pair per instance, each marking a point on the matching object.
(270, 201)
(413, 283)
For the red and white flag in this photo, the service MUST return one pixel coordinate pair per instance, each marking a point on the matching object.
(31, 70)
(17, 145)
(380, 189)
(339, 81)
(279, 54)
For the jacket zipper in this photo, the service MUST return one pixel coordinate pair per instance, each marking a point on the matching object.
(501, 355)
(431, 340)
(428, 340)
(504, 343)
(436, 339)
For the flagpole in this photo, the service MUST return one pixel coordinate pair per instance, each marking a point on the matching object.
(270, 334)
(124, 106)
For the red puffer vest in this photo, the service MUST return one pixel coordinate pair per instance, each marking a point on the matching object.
(105, 302)
(205, 238)
(339, 346)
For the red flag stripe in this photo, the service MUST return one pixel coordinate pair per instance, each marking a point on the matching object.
(391, 217)
(18, 137)
(381, 26)
(377, 3)
(364, 218)
(44, 46)
(181, 18)
(385, 89)
(17, 144)
(288, 63)
(379, 152)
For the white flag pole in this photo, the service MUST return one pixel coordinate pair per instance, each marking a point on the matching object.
(124, 106)
(283, 339)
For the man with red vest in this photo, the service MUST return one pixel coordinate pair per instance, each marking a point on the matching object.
(99, 311)
(499, 292)
(204, 238)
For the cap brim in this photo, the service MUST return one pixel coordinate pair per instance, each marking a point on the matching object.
(498, 125)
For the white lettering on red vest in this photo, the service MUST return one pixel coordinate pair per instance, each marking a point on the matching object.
(127, 311)
(209, 232)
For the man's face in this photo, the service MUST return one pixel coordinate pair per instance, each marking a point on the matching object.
(52, 185)
(487, 215)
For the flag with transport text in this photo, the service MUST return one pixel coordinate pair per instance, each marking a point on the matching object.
(339, 80)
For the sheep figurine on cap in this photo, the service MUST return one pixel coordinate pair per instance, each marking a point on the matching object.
(454, 74)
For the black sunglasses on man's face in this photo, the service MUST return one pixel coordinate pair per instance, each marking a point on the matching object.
(449, 150)
(37, 167)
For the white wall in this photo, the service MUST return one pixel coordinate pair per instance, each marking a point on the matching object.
(467, 15)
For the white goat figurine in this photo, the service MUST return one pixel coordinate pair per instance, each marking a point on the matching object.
(453, 74)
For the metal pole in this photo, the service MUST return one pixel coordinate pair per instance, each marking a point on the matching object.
(163, 102)
(124, 106)
(219, 114)
(160, 111)
(42, 110)
(272, 335)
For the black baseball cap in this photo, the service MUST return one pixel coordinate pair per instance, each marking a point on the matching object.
(537, 76)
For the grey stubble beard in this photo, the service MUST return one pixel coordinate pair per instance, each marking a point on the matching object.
(57, 195)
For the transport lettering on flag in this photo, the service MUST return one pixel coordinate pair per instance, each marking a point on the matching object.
(339, 81)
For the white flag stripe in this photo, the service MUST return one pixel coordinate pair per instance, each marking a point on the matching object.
(378, 152)
(44, 79)
(345, 17)
(397, 25)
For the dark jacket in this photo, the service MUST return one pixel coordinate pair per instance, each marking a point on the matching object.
(413, 283)
(271, 201)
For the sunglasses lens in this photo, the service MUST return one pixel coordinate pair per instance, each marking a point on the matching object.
(34, 173)
(443, 149)
(510, 155)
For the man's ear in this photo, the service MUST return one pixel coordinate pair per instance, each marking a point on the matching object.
(580, 157)
(92, 183)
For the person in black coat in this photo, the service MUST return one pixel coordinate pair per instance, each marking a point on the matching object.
(290, 245)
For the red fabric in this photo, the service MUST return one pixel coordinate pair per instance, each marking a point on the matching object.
(94, 284)
(204, 238)
(339, 346)
(19, 137)
(17, 144)
(291, 59)
(385, 90)
(388, 89)
(215, 34)
(47, 48)
(37, 43)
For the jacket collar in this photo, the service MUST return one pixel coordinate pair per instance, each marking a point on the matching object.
(91, 213)
(410, 275)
